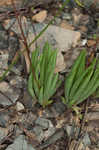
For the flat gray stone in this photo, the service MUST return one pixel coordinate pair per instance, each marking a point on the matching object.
(58, 37)
(8, 95)
(71, 130)
(57, 136)
(44, 123)
(44, 128)
(20, 143)
(3, 38)
(3, 133)
(86, 140)
(17, 81)
(39, 133)
(3, 63)
(4, 118)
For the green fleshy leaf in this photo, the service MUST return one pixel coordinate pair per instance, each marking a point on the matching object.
(87, 79)
(84, 84)
(63, 99)
(71, 77)
(81, 66)
(34, 58)
(41, 96)
(47, 87)
(30, 86)
(53, 86)
(51, 65)
(35, 87)
(91, 88)
(44, 70)
(49, 102)
(80, 81)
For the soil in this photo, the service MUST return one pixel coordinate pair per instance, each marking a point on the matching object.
(56, 127)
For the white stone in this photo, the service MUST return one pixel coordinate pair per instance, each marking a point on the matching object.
(19, 106)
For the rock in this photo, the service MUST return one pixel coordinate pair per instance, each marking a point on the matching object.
(93, 124)
(13, 46)
(57, 21)
(57, 136)
(66, 16)
(92, 116)
(39, 133)
(8, 51)
(27, 119)
(27, 100)
(40, 17)
(71, 131)
(3, 63)
(58, 37)
(83, 43)
(20, 143)
(47, 113)
(59, 107)
(8, 95)
(3, 133)
(55, 110)
(13, 23)
(93, 119)
(47, 126)
(44, 123)
(17, 82)
(86, 140)
(4, 118)
(17, 70)
(3, 38)
(19, 106)
(43, 129)
(49, 132)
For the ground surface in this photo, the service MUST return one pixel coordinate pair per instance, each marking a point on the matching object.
(24, 124)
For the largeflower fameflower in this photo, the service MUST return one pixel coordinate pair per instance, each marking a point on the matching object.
(46, 83)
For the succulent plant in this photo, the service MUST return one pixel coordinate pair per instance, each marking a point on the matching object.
(46, 83)
(81, 82)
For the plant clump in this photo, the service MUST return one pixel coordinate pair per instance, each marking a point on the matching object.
(82, 81)
(46, 83)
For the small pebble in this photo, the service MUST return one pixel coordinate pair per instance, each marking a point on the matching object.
(19, 106)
